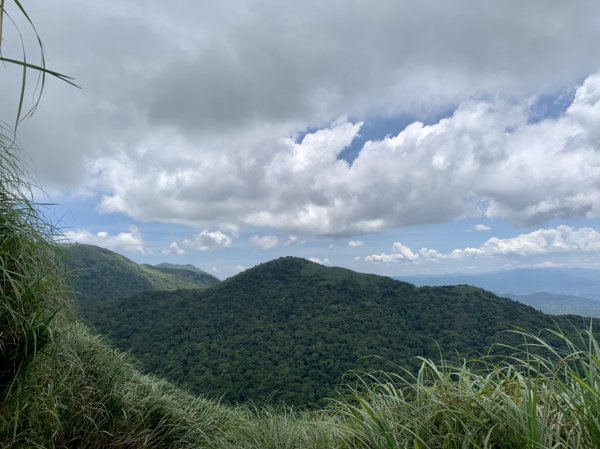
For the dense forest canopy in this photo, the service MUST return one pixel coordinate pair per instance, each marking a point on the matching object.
(289, 330)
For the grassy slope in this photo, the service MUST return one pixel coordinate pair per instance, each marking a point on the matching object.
(290, 329)
(80, 393)
(97, 274)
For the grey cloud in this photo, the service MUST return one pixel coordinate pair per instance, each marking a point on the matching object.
(306, 63)
(486, 159)
(185, 110)
(265, 241)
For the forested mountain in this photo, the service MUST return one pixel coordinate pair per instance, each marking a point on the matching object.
(177, 266)
(98, 274)
(289, 329)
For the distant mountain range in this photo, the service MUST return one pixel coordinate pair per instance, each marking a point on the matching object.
(288, 330)
(559, 304)
(552, 290)
(98, 274)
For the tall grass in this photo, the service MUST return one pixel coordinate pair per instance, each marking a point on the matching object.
(29, 286)
(84, 394)
(542, 397)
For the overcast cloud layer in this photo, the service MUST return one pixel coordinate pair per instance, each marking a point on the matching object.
(197, 112)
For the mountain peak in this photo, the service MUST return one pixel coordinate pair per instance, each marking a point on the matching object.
(178, 266)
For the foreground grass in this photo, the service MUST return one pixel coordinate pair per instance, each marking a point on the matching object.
(84, 394)
(81, 393)
(529, 401)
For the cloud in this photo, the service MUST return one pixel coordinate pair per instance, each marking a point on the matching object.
(355, 243)
(173, 248)
(292, 240)
(131, 241)
(550, 241)
(483, 160)
(222, 139)
(319, 261)
(265, 241)
(209, 241)
(481, 228)
(562, 239)
(401, 254)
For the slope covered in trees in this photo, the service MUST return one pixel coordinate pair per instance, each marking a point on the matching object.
(97, 274)
(288, 330)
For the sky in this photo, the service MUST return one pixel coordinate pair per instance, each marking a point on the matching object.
(393, 137)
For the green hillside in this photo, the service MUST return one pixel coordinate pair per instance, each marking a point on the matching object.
(288, 330)
(97, 274)
(178, 266)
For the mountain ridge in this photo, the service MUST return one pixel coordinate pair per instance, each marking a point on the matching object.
(570, 281)
(289, 329)
(550, 289)
(98, 274)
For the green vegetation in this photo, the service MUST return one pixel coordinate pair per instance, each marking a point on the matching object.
(97, 274)
(61, 387)
(29, 289)
(288, 330)
(531, 401)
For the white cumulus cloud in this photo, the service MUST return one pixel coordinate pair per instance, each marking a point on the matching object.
(401, 253)
(562, 239)
(131, 241)
(265, 241)
(545, 241)
(292, 240)
(173, 248)
(482, 228)
(355, 243)
(209, 240)
(483, 160)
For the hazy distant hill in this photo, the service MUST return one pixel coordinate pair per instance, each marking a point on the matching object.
(559, 304)
(289, 329)
(565, 281)
(98, 274)
(572, 290)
